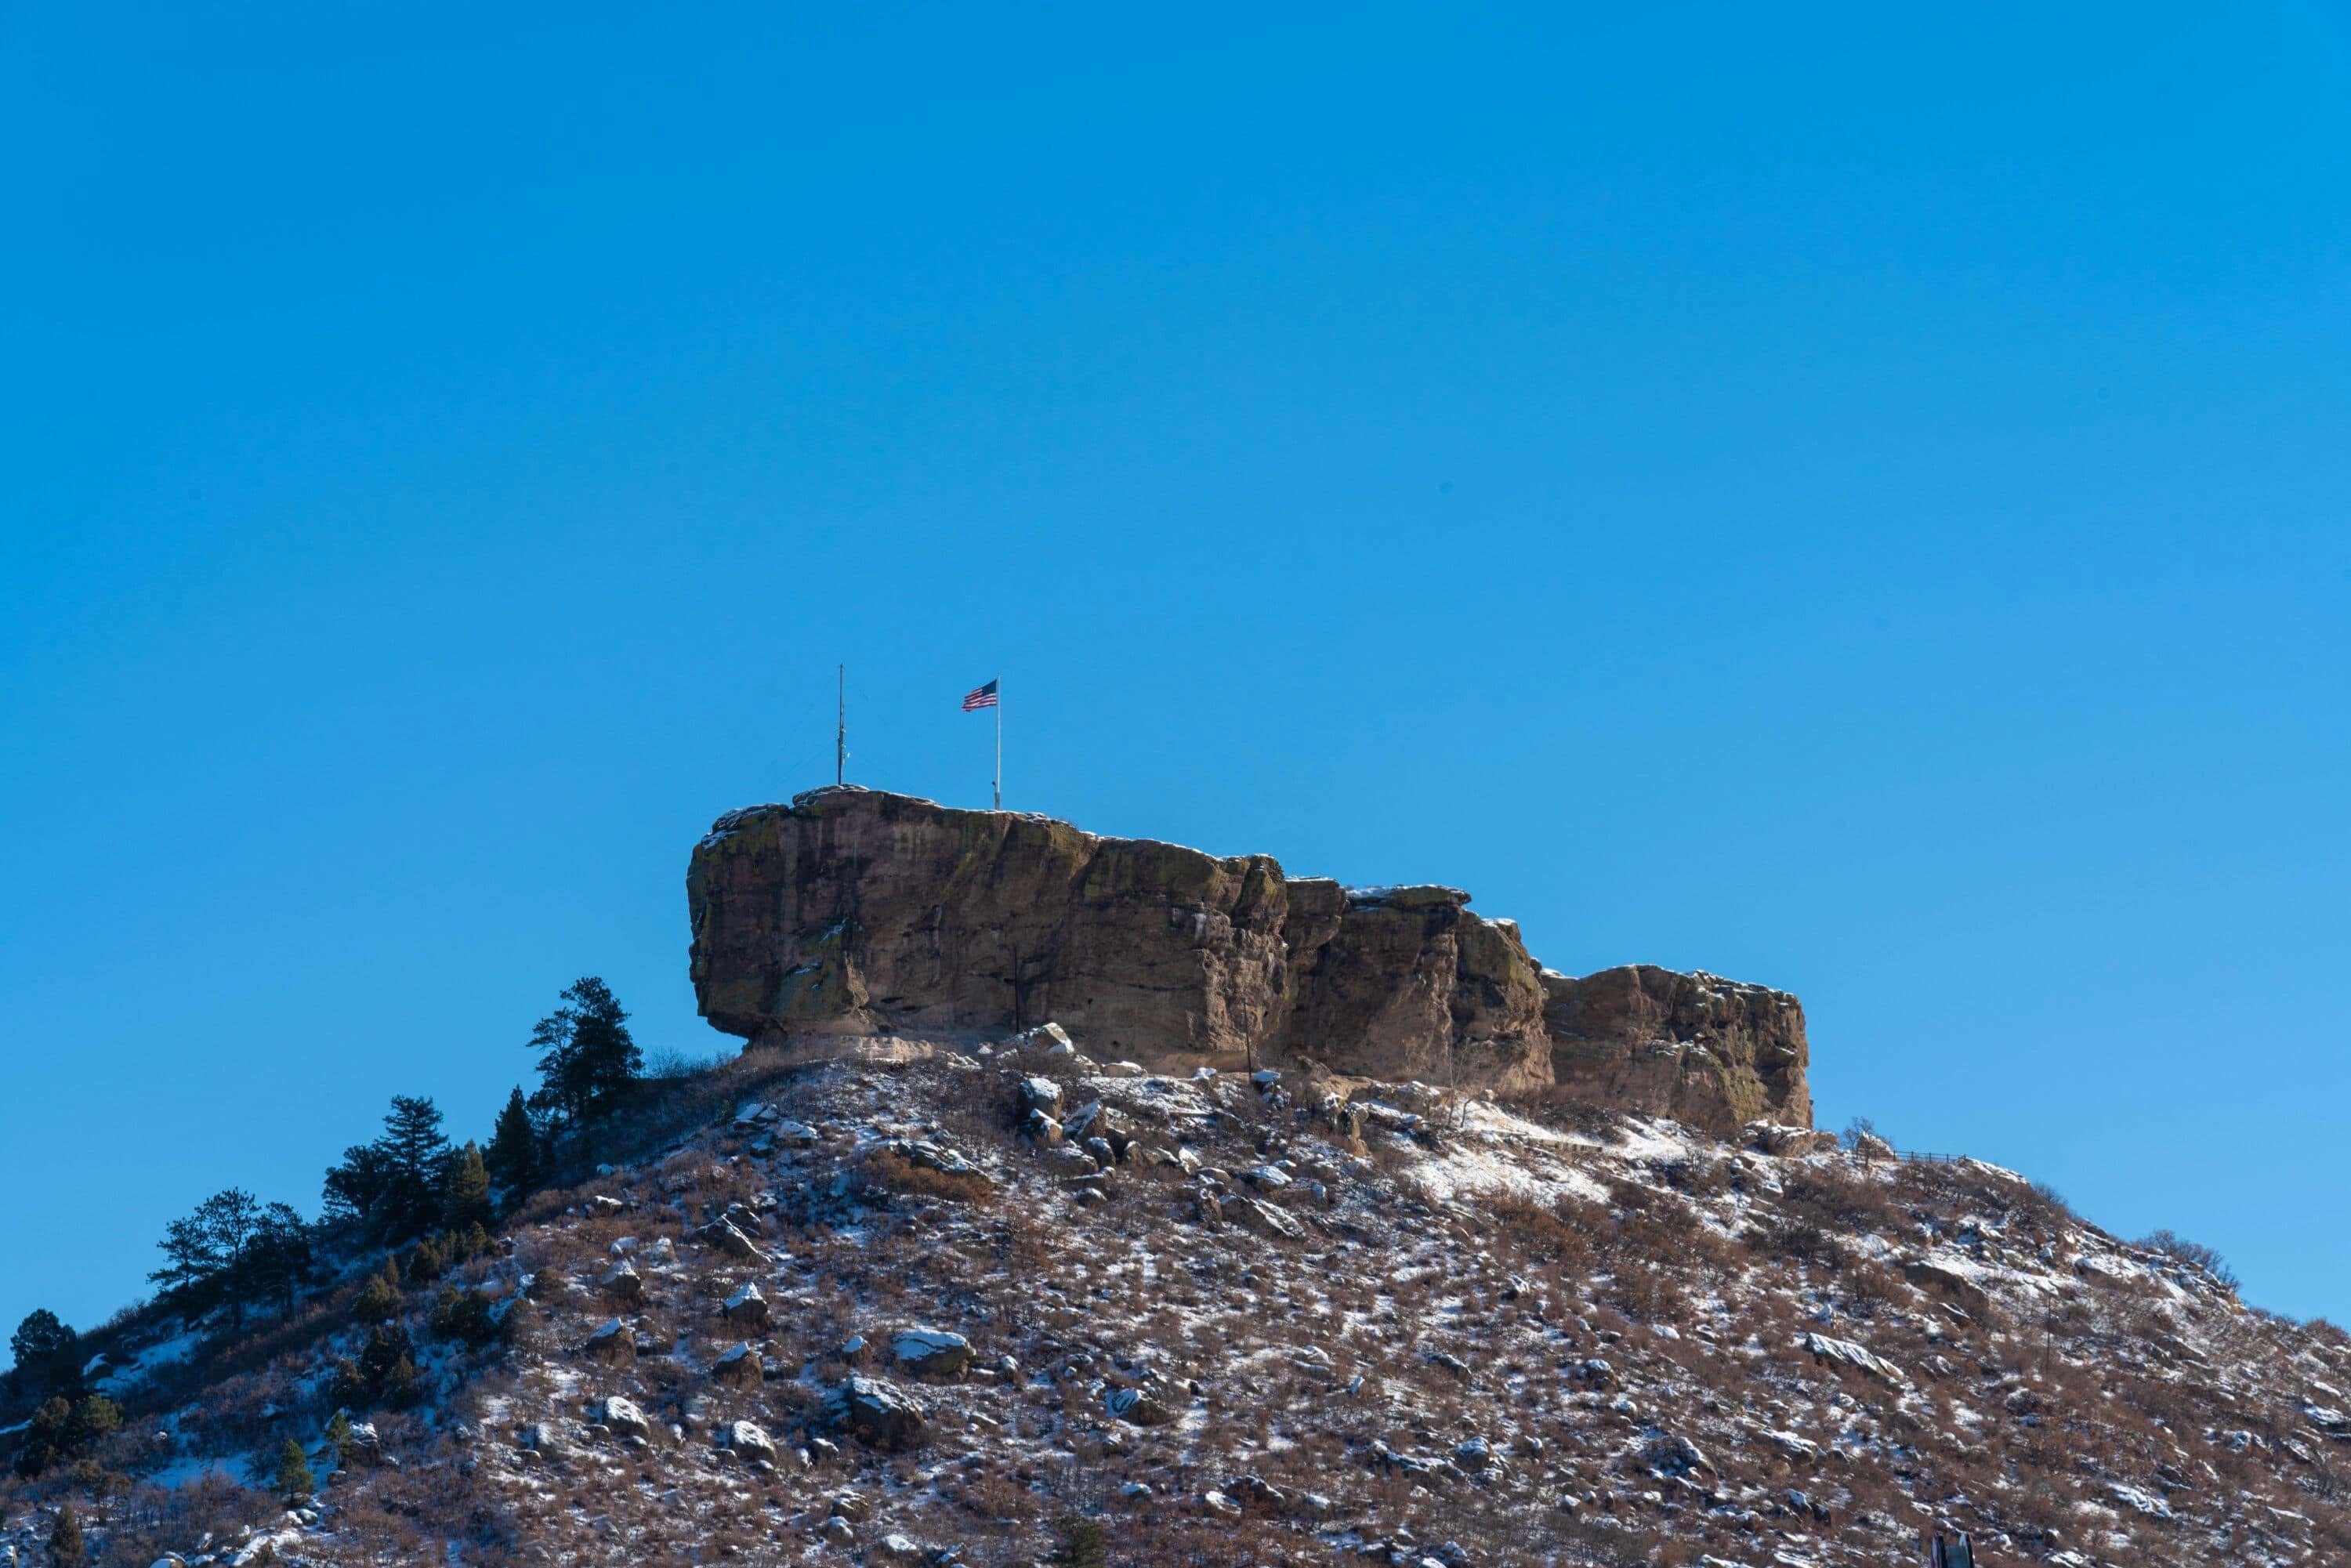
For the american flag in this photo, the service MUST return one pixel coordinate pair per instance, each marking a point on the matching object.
(979, 698)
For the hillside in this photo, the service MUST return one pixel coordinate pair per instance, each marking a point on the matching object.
(938, 1308)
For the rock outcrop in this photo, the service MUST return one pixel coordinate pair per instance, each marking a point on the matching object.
(1698, 1048)
(855, 913)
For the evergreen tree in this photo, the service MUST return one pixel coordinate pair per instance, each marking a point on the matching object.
(42, 1347)
(294, 1479)
(427, 1261)
(61, 1428)
(207, 1254)
(465, 1191)
(464, 1316)
(588, 1062)
(355, 1190)
(64, 1537)
(191, 1258)
(414, 1154)
(1084, 1544)
(339, 1435)
(385, 1373)
(231, 1219)
(378, 1299)
(278, 1261)
(513, 1155)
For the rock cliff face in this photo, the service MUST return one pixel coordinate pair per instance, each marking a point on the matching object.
(1698, 1048)
(852, 912)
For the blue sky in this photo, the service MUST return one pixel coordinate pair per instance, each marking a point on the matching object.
(1852, 500)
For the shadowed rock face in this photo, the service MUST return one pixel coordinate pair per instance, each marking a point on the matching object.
(852, 912)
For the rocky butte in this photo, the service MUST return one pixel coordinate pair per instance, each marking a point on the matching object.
(856, 912)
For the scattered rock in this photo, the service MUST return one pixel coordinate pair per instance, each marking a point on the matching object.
(739, 1364)
(747, 1308)
(611, 1341)
(748, 1440)
(877, 1414)
(722, 1234)
(1859, 1357)
(1139, 1407)
(935, 1355)
(622, 1418)
(622, 1284)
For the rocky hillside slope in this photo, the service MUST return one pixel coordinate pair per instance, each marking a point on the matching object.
(972, 1307)
(855, 913)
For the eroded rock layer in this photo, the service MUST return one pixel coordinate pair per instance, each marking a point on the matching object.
(854, 912)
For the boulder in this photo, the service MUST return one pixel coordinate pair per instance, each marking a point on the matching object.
(1041, 1094)
(1782, 1139)
(622, 1418)
(934, 1355)
(943, 1164)
(722, 1234)
(748, 1440)
(1948, 1283)
(611, 1341)
(1140, 1407)
(877, 1414)
(622, 1284)
(1263, 1218)
(747, 1308)
(739, 1364)
(1846, 1352)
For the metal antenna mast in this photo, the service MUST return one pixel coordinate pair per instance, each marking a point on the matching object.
(841, 730)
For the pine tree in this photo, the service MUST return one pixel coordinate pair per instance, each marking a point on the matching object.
(400, 1384)
(206, 1255)
(385, 1373)
(513, 1155)
(588, 1062)
(280, 1260)
(42, 1347)
(61, 1428)
(378, 1299)
(339, 1435)
(465, 1192)
(1084, 1544)
(414, 1154)
(190, 1257)
(64, 1537)
(355, 1190)
(294, 1479)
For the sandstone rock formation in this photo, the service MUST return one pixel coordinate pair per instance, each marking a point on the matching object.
(854, 912)
(1698, 1048)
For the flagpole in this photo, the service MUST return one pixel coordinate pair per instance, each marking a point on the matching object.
(1000, 743)
(841, 732)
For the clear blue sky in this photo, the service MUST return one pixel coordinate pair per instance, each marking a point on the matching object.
(1851, 499)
